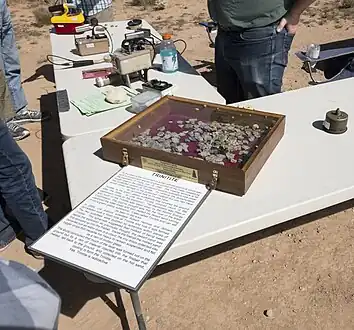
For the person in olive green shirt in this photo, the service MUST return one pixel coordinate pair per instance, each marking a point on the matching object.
(252, 45)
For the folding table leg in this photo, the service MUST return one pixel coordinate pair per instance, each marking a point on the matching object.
(118, 297)
(134, 295)
(121, 309)
(127, 80)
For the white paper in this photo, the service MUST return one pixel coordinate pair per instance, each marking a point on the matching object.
(326, 124)
(122, 229)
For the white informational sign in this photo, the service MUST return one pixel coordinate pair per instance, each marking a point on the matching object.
(124, 228)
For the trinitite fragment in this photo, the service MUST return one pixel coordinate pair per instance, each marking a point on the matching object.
(215, 142)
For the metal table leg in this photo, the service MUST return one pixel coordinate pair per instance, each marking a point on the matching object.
(137, 309)
(118, 297)
(127, 80)
(121, 309)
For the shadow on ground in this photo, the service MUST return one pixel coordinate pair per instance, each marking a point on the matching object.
(46, 71)
(76, 291)
(227, 246)
(207, 71)
(53, 168)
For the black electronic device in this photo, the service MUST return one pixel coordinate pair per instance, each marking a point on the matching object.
(134, 24)
(157, 85)
(63, 102)
(336, 122)
(96, 43)
(94, 22)
(136, 41)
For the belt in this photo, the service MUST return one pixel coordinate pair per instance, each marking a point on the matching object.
(240, 29)
(230, 28)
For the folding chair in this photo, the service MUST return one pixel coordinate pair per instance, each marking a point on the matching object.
(211, 30)
(336, 61)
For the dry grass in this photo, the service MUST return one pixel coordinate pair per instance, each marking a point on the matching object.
(143, 3)
(339, 12)
(346, 4)
(155, 4)
(42, 16)
(331, 11)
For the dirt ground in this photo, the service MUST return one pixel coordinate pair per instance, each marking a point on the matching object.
(301, 272)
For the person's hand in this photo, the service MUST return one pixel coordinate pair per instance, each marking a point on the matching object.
(290, 23)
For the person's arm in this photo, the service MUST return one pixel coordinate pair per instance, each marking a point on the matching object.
(292, 18)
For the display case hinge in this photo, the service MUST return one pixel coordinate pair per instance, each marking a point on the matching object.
(125, 157)
(214, 180)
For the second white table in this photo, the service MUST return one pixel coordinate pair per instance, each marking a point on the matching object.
(189, 84)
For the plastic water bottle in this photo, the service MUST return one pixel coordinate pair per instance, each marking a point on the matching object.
(168, 54)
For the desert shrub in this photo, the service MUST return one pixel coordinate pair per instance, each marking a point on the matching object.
(347, 4)
(42, 16)
(144, 3)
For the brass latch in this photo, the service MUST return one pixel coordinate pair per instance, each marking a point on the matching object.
(125, 157)
(214, 180)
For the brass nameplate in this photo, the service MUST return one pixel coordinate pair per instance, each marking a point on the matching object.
(177, 171)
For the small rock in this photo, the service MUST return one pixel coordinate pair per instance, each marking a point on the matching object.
(254, 261)
(290, 235)
(147, 318)
(269, 313)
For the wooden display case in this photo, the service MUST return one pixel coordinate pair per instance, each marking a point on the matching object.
(234, 176)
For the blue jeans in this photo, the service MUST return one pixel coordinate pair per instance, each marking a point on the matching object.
(250, 63)
(9, 59)
(18, 193)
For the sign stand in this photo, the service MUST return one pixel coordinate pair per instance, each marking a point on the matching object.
(134, 296)
(128, 223)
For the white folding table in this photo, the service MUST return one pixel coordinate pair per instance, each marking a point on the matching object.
(308, 171)
(188, 82)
